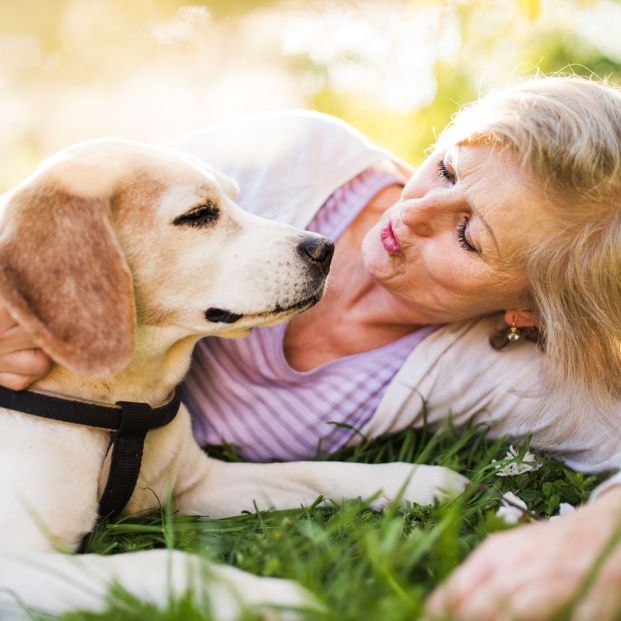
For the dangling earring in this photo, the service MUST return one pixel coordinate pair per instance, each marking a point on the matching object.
(513, 333)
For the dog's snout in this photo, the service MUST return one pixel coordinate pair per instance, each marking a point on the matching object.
(318, 249)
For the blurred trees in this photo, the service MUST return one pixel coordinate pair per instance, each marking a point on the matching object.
(396, 69)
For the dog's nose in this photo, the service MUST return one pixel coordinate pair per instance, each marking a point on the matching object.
(318, 249)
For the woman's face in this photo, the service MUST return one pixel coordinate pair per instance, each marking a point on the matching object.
(450, 248)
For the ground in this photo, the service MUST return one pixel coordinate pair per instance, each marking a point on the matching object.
(362, 565)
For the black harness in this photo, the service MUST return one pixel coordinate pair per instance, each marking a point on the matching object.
(128, 420)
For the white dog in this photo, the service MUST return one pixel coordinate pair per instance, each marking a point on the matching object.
(117, 257)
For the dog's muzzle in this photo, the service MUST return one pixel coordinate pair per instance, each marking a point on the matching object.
(316, 252)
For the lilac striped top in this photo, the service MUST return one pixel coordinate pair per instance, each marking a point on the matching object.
(243, 391)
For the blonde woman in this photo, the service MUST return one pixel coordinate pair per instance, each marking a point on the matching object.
(514, 220)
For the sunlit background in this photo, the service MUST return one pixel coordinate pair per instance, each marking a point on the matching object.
(155, 69)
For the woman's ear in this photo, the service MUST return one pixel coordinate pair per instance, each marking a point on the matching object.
(520, 318)
(64, 277)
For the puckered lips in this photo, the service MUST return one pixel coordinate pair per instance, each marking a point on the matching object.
(390, 241)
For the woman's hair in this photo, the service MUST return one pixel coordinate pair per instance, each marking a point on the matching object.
(566, 132)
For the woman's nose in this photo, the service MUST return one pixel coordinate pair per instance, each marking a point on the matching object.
(431, 212)
(420, 215)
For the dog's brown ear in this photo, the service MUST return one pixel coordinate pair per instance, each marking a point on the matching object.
(64, 278)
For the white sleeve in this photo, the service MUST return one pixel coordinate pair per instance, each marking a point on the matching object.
(459, 374)
(455, 372)
(286, 163)
(605, 486)
(504, 390)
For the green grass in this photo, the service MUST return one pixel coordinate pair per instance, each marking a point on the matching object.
(364, 566)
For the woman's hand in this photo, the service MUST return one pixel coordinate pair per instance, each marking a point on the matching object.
(21, 363)
(529, 573)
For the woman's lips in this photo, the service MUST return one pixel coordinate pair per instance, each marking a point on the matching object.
(389, 239)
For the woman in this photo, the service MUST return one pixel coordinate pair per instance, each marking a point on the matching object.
(514, 216)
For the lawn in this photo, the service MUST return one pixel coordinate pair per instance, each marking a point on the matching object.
(364, 566)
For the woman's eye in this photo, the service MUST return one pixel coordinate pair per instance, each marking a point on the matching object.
(444, 173)
(463, 240)
(203, 215)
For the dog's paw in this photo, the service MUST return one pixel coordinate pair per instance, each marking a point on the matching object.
(274, 599)
(422, 485)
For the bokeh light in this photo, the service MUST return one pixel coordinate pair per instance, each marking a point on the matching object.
(155, 69)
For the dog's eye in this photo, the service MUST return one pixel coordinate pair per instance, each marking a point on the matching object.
(204, 214)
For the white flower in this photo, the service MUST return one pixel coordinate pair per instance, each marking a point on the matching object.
(517, 466)
(512, 508)
(564, 509)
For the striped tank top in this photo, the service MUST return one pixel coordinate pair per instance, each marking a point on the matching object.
(243, 392)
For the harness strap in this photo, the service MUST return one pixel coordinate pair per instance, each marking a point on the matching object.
(130, 420)
(126, 459)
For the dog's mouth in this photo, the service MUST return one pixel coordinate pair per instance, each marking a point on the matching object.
(294, 308)
(220, 315)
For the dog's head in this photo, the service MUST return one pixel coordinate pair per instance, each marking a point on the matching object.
(111, 233)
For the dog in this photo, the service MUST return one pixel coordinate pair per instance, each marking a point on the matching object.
(116, 257)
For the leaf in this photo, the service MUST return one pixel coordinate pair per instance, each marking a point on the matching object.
(552, 504)
(548, 489)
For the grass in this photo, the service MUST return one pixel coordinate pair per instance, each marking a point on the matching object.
(364, 566)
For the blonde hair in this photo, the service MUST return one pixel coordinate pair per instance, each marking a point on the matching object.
(566, 132)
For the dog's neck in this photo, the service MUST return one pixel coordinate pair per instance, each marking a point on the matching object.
(161, 359)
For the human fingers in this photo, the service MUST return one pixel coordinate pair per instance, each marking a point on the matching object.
(528, 589)
(14, 338)
(6, 321)
(14, 381)
(603, 600)
(23, 367)
(469, 577)
(534, 570)
(522, 560)
(522, 596)
(528, 573)
(33, 363)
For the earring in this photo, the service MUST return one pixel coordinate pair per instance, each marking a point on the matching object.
(513, 333)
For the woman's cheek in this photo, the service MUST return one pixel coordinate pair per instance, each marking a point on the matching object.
(440, 262)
